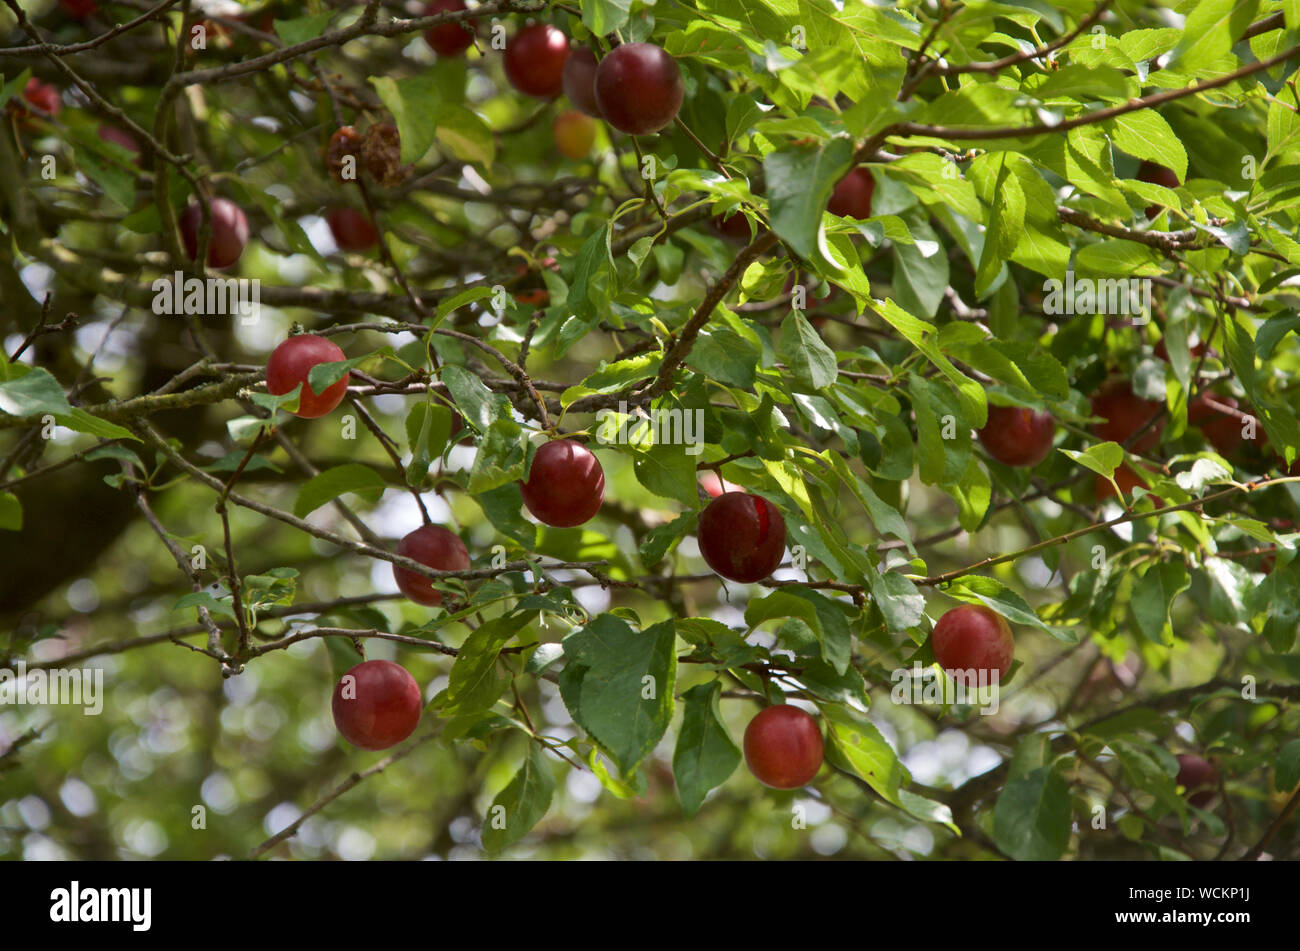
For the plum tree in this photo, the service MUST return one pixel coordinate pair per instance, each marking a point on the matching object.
(852, 195)
(1016, 436)
(783, 747)
(579, 80)
(436, 547)
(742, 536)
(639, 88)
(574, 134)
(1125, 414)
(376, 705)
(1198, 777)
(290, 364)
(973, 641)
(229, 232)
(449, 39)
(352, 229)
(565, 485)
(714, 272)
(534, 60)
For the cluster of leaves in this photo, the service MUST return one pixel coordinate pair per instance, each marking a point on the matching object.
(854, 417)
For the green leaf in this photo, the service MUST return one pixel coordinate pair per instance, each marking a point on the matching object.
(592, 258)
(1153, 597)
(800, 179)
(522, 804)
(920, 269)
(474, 683)
(885, 517)
(330, 484)
(668, 471)
(204, 599)
(661, 538)
(478, 405)
(465, 134)
(612, 377)
(301, 29)
(1286, 774)
(994, 594)
(450, 305)
(812, 362)
(856, 745)
(705, 755)
(723, 355)
(500, 458)
(34, 392)
(1211, 29)
(503, 507)
(324, 375)
(1031, 821)
(1146, 135)
(1000, 189)
(11, 512)
(79, 421)
(428, 427)
(825, 617)
(898, 600)
(618, 685)
(605, 16)
(408, 100)
(1103, 458)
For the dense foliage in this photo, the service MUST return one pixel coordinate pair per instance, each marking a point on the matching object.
(1037, 357)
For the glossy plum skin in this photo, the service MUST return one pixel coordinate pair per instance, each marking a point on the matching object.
(970, 639)
(449, 39)
(1125, 413)
(852, 195)
(783, 747)
(1195, 773)
(742, 536)
(291, 362)
(1016, 436)
(639, 88)
(534, 60)
(574, 134)
(379, 708)
(352, 230)
(436, 547)
(565, 485)
(229, 232)
(1155, 174)
(579, 80)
